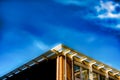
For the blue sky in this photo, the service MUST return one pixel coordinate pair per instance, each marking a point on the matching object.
(29, 28)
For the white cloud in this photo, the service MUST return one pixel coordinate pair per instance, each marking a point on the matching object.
(107, 9)
(109, 15)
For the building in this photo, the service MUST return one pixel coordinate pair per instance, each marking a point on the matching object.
(63, 63)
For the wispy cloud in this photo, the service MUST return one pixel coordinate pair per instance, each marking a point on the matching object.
(41, 45)
(75, 2)
(107, 9)
(118, 26)
(67, 2)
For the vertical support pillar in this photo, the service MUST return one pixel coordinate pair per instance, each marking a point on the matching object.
(57, 68)
(91, 70)
(69, 69)
(107, 76)
(81, 73)
(73, 77)
(72, 64)
(90, 73)
(65, 75)
(62, 67)
(98, 76)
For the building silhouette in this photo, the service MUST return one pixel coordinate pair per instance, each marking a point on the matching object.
(63, 63)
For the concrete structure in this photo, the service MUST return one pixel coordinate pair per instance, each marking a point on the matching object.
(63, 63)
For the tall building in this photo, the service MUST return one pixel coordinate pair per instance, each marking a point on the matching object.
(63, 63)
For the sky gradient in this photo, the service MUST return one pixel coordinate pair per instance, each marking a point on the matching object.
(29, 28)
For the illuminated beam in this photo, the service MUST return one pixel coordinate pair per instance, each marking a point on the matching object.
(100, 66)
(115, 73)
(117, 76)
(66, 51)
(90, 70)
(72, 55)
(46, 58)
(83, 58)
(106, 71)
(92, 62)
(109, 69)
(57, 48)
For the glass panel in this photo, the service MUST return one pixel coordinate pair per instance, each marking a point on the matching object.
(77, 72)
(76, 68)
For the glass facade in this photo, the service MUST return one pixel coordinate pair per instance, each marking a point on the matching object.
(83, 74)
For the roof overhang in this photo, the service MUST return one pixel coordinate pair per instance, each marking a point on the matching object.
(62, 50)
